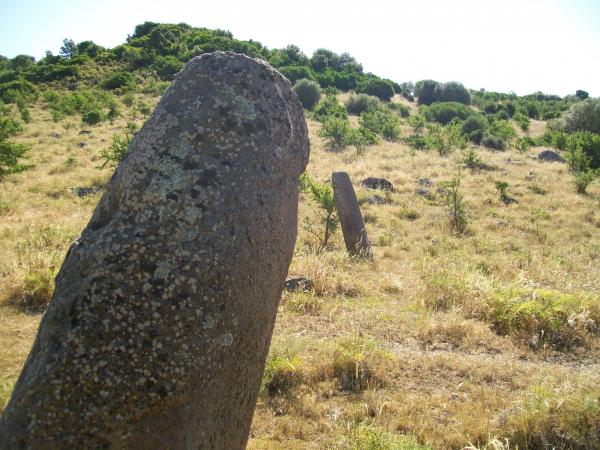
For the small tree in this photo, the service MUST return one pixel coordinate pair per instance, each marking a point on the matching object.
(322, 196)
(68, 49)
(425, 91)
(502, 187)
(336, 132)
(113, 155)
(453, 91)
(457, 210)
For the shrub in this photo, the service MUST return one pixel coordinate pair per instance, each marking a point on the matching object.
(281, 373)
(357, 104)
(128, 100)
(445, 139)
(15, 90)
(113, 155)
(474, 123)
(10, 152)
(381, 89)
(118, 80)
(522, 120)
(452, 91)
(472, 160)
(425, 91)
(381, 121)
(494, 142)
(581, 180)
(322, 196)
(589, 143)
(582, 116)
(457, 211)
(92, 116)
(166, 67)
(336, 132)
(330, 107)
(445, 112)
(399, 107)
(502, 129)
(309, 93)
(297, 73)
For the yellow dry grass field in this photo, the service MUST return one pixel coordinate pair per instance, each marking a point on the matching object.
(485, 339)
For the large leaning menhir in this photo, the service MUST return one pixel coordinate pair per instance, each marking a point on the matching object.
(164, 307)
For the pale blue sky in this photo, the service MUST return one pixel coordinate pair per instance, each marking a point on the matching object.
(504, 45)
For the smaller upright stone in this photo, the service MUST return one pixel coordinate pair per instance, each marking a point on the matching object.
(351, 220)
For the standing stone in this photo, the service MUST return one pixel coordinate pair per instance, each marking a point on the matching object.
(351, 221)
(164, 307)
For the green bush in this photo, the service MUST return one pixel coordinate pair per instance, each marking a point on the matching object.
(425, 91)
(322, 196)
(582, 116)
(309, 93)
(336, 132)
(474, 128)
(502, 129)
(494, 142)
(118, 80)
(522, 120)
(381, 121)
(330, 107)
(166, 67)
(400, 108)
(357, 104)
(113, 155)
(445, 139)
(296, 73)
(452, 91)
(15, 90)
(92, 116)
(381, 89)
(93, 105)
(10, 152)
(445, 112)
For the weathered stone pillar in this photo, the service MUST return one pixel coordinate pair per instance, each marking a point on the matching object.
(351, 221)
(164, 308)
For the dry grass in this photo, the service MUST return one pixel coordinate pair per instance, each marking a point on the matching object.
(391, 353)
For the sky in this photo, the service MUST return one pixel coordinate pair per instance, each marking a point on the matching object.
(499, 45)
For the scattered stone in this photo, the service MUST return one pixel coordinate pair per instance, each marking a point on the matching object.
(83, 144)
(349, 215)
(72, 86)
(298, 284)
(502, 222)
(376, 200)
(88, 132)
(85, 191)
(160, 324)
(424, 182)
(378, 183)
(423, 192)
(530, 177)
(55, 135)
(551, 156)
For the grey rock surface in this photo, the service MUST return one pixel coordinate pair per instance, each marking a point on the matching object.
(378, 183)
(298, 284)
(551, 156)
(158, 331)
